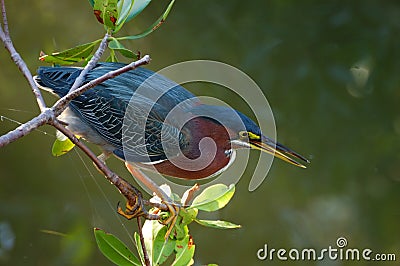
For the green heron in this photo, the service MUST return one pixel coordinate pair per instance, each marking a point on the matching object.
(146, 137)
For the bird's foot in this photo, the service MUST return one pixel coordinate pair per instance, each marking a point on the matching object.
(136, 209)
(170, 221)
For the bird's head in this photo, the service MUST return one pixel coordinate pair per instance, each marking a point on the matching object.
(245, 133)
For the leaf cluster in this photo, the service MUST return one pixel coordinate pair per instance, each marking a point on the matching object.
(113, 14)
(179, 247)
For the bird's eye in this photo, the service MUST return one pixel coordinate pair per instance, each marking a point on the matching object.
(243, 134)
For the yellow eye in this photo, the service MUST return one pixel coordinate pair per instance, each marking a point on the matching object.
(243, 134)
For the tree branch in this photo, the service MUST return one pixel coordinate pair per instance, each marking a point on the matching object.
(5, 38)
(111, 176)
(43, 118)
(143, 244)
(4, 16)
(91, 64)
(124, 187)
(63, 102)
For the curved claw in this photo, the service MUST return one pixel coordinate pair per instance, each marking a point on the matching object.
(137, 210)
(171, 220)
(130, 211)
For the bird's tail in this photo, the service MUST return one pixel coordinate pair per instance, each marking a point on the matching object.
(57, 80)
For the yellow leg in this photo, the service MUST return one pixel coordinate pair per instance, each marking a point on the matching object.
(148, 183)
(172, 207)
(171, 221)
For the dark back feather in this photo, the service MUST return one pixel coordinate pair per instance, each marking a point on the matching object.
(147, 96)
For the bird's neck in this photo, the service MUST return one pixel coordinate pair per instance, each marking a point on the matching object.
(206, 150)
(205, 137)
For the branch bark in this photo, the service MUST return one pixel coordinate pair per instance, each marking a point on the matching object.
(143, 244)
(15, 56)
(43, 118)
(91, 64)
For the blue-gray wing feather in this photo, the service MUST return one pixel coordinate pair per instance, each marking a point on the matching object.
(147, 96)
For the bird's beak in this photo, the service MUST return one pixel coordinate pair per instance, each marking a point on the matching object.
(276, 149)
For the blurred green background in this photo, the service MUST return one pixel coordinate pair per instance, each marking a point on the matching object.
(330, 70)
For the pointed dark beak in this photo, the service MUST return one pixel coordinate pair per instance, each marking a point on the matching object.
(276, 149)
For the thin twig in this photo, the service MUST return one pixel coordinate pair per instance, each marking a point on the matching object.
(189, 194)
(27, 127)
(145, 255)
(123, 186)
(6, 39)
(4, 16)
(61, 104)
(91, 64)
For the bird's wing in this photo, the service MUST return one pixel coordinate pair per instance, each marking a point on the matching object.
(130, 112)
(135, 127)
(57, 80)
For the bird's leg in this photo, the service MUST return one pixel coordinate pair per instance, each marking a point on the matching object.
(172, 207)
(134, 206)
(150, 184)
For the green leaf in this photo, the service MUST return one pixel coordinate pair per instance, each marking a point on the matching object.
(188, 215)
(153, 26)
(91, 2)
(218, 224)
(184, 252)
(112, 57)
(114, 249)
(180, 230)
(70, 56)
(106, 12)
(139, 246)
(114, 44)
(130, 9)
(61, 147)
(124, 7)
(109, 59)
(162, 249)
(150, 231)
(213, 198)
